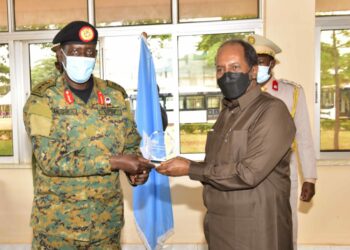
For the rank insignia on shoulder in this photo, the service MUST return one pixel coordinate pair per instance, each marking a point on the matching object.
(293, 84)
(275, 85)
(116, 86)
(40, 89)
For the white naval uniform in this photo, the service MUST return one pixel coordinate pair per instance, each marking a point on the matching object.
(303, 148)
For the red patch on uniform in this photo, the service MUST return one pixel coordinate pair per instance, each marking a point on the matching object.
(275, 85)
(68, 96)
(101, 98)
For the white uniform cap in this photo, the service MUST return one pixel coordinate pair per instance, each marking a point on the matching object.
(263, 45)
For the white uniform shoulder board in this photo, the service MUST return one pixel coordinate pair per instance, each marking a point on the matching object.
(284, 81)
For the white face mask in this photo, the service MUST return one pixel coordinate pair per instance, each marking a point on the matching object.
(79, 68)
(263, 74)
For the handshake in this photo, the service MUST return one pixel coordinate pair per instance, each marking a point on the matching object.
(135, 167)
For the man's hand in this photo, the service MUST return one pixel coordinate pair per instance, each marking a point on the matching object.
(307, 191)
(131, 164)
(177, 166)
(137, 179)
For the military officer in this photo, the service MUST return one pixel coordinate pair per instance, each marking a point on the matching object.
(292, 94)
(82, 133)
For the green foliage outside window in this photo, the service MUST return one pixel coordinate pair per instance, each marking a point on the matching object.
(335, 75)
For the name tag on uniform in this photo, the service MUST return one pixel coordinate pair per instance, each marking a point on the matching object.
(110, 111)
(65, 111)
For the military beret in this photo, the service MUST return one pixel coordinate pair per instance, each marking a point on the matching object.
(263, 45)
(76, 32)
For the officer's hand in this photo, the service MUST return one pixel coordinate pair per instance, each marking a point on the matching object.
(177, 166)
(138, 179)
(307, 191)
(131, 164)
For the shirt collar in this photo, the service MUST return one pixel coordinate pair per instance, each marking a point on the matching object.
(249, 96)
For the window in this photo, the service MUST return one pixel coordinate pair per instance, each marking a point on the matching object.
(214, 101)
(183, 56)
(42, 63)
(121, 58)
(124, 12)
(217, 10)
(197, 76)
(3, 16)
(335, 90)
(332, 8)
(195, 102)
(49, 14)
(6, 135)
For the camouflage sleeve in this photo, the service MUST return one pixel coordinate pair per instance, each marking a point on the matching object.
(52, 154)
(55, 160)
(133, 139)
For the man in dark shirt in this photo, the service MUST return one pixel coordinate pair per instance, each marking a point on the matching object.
(246, 168)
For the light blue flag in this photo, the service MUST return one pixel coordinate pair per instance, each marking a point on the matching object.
(151, 201)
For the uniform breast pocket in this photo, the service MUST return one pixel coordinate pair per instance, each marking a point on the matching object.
(113, 117)
(111, 128)
(234, 146)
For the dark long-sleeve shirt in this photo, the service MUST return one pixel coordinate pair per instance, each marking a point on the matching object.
(246, 175)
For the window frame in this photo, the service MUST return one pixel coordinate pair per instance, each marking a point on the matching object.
(20, 65)
(325, 23)
(14, 110)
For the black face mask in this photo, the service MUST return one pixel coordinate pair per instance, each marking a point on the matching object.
(233, 84)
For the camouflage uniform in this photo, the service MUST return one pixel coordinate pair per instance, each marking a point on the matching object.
(76, 196)
(44, 242)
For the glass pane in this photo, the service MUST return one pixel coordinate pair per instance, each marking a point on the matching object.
(332, 8)
(124, 12)
(42, 63)
(121, 62)
(217, 10)
(49, 14)
(335, 90)
(194, 102)
(3, 16)
(6, 139)
(200, 97)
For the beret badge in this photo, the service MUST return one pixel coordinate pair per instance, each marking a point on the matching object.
(86, 34)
